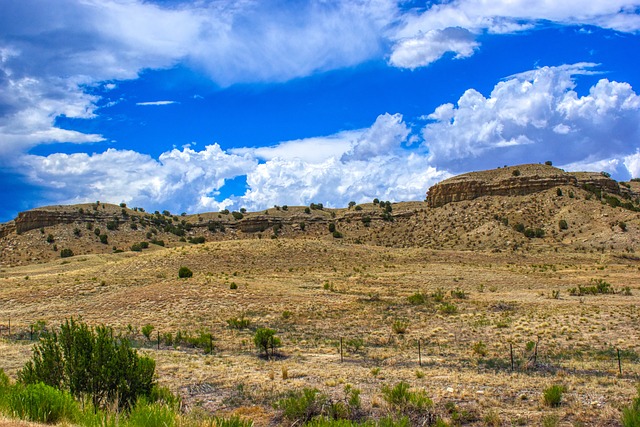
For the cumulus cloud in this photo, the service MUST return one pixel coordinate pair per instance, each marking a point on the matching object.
(535, 115)
(632, 163)
(372, 163)
(426, 36)
(181, 179)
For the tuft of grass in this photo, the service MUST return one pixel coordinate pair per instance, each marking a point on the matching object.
(631, 414)
(553, 395)
(40, 403)
(145, 414)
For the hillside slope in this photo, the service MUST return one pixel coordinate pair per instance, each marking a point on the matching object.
(521, 208)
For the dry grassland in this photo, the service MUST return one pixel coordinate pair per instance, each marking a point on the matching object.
(316, 292)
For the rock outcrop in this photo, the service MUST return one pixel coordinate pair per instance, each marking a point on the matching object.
(514, 181)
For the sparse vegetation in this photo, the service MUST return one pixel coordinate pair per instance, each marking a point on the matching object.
(66, 253)
(185, 272)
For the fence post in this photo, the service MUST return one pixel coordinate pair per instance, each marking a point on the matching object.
(419, 354)
(341, 357)
(511, 351)
(619, 362)
(9, 335)
(158, 340)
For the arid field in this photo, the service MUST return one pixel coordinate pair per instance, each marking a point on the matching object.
(313, 293)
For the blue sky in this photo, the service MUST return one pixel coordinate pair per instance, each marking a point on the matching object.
(203, 105)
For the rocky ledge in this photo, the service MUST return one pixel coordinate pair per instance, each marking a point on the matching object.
(515, 181)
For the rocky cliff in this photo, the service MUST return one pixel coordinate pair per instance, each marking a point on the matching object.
(514, 181)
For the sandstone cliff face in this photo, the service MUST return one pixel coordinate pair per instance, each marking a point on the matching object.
(45, 217)
(513, 181)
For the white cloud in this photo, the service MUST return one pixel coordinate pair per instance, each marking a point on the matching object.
(312, 150)
(180, 180)
(50, 55)
(535, 116)
(591, 165)
(424, 37)
(156, 103)
(632, 163)
(367, 163)
(425, 48)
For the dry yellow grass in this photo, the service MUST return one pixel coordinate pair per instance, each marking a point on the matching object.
(313, 292)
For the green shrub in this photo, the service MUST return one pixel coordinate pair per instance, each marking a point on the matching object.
(332, 227)
(66, 253)
(458, 293)
(233, 286)
(197, 240)
(552, 395)
(90, 362)
(400, 326)
(144, 245)
(136, 247)
(41, 403)
(562, 224)
(417, 298)
(438, 295)
(185, 272)
(337, 235)
(404, 401)
(147, 330)
(266, 339)
(104, 239)
(448, 308)
(480, 348)
(238, 322)
(302, 406)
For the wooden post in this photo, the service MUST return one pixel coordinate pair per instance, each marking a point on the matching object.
(30, 332)
(511, 351)
(619, 362)
(9, 335)
(419, 354)
(535, 353)
(210, 343)
(158, 340)
(341, 357)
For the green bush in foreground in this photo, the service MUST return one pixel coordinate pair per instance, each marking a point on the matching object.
(90, 362)
(631, 414)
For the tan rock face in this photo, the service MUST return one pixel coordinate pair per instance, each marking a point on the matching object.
(513, 181)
